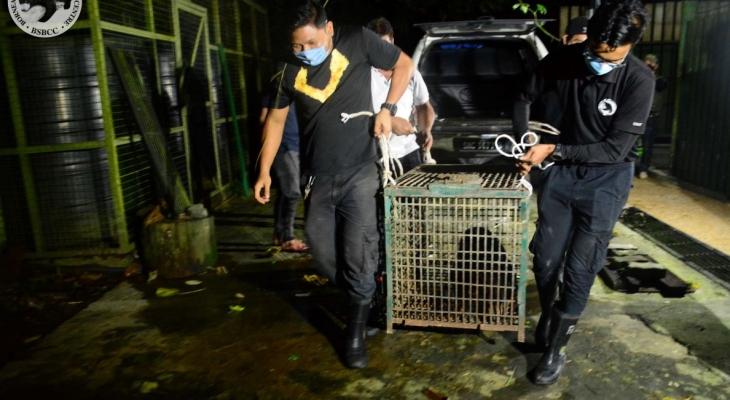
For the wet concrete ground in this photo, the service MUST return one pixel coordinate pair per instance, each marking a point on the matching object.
(132, 344)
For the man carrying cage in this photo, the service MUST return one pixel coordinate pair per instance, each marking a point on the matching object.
(599, 96)
(328, 76)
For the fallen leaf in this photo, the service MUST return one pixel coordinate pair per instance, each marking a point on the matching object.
(166, 292)
(193, 283)
(240, 296)
(305, 294)
(236, 308)
(294, 357)
(91, 277)
(434, 395)
(152, 276)
(32, 339)
(316, 279)
(148, 387)
(133, 270)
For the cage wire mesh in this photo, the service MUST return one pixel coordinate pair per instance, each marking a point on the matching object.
(248, 34)
(7, 135)
(455, 258)
(224, 133)
(163, 16)
(130, 13)
(137, 180)
(219, 90)
(168, 82)
(125, 125)
(208, 4)
(14, 205)
(76, 204)
(228, 23)
(59, 92)
(176, 146)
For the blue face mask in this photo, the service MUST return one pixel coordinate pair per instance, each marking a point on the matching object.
(598, 65)
(312, 57)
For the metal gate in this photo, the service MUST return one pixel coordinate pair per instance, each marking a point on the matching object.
(702, 142)
(193, 60)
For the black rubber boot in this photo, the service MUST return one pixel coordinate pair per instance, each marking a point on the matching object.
(548, 297)
(552, 362)
(355, 352)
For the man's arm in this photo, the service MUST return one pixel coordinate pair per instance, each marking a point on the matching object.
(425, 117)
(398, 84)
(614, 148)
(401, 126)
(271, 140)
(262, 116)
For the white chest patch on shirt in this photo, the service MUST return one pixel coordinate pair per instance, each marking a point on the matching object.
(607, 107)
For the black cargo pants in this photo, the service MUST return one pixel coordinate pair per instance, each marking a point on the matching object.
(342, 228)
(578, 207)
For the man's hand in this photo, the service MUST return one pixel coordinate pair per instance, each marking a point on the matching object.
(401, 126)
(383, 124)
(427, 140)
(262, 188)
(535, 156)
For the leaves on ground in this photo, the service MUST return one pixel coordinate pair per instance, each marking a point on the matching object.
(166, 292)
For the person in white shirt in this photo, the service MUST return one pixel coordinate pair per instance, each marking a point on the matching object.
(414, 117)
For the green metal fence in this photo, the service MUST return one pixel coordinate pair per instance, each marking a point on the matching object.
(74, 172)
(702, 142)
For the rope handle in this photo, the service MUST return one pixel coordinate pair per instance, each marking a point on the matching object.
(390, 163)
(527, 140)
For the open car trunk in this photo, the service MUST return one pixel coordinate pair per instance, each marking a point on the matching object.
(472, 82)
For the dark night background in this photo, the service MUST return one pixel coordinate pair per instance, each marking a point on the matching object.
(403, 14)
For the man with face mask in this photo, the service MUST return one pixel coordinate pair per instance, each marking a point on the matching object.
(328, 76)
(599, 96)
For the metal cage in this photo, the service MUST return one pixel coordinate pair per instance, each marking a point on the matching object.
(456, 248)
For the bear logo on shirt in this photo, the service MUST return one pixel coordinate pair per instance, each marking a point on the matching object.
(607, 107)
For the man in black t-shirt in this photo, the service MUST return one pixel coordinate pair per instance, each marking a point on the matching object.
(328, 76)
(599, 96)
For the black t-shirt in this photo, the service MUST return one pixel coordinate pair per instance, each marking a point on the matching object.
(599, 117)
(341, 84)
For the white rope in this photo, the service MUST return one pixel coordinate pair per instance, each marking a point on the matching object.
(427, 159)
(390, 164)
(529, 139)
